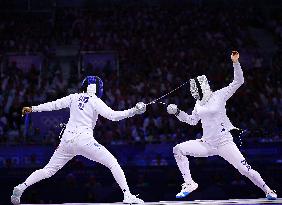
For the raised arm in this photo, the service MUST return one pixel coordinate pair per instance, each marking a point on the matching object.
(238, 80)
(110, 114)
(192, 119)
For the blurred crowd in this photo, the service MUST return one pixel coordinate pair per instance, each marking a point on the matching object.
(159, 48)
(25, 33)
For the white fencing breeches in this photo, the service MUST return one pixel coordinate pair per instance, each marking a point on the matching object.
(229, 151)
(88, 148)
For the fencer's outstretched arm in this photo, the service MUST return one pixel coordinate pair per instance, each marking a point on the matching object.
(54, 105)
(238, 80)
(192, 119)
(113, 115)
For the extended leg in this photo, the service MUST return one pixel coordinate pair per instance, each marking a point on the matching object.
(57, 161)
(99, 153)
(232, 154)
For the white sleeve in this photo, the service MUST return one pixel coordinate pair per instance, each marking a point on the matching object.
(54, 105)
(107, 112)
(192, 119)
(238, 80)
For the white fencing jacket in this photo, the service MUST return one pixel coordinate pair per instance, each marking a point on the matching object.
(215, 122)
(84, 111)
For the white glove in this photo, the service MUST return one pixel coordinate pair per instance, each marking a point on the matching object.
(172, 109)
(140, 108)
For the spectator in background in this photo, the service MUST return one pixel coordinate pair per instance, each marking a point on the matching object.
(169, 44)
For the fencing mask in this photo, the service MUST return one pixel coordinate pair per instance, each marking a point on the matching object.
(93, 85)
(200, 88)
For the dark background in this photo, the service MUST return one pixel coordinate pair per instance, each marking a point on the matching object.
(141, 50)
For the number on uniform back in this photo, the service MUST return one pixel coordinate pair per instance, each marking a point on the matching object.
(82, 101)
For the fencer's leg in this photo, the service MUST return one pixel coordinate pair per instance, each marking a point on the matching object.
(232, 154)
(57, 161)
(195, 148)
(99, 153)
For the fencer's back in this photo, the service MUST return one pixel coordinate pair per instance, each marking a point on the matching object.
(82, 112)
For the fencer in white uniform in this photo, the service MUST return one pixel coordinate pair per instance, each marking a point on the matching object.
(216, 140)
(78, 139)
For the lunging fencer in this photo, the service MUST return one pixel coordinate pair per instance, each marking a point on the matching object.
(216, 139)
(78, 139)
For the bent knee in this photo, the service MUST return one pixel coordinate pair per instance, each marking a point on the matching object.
(177, 150)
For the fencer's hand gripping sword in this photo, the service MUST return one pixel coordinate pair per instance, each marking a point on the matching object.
(156, 100)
